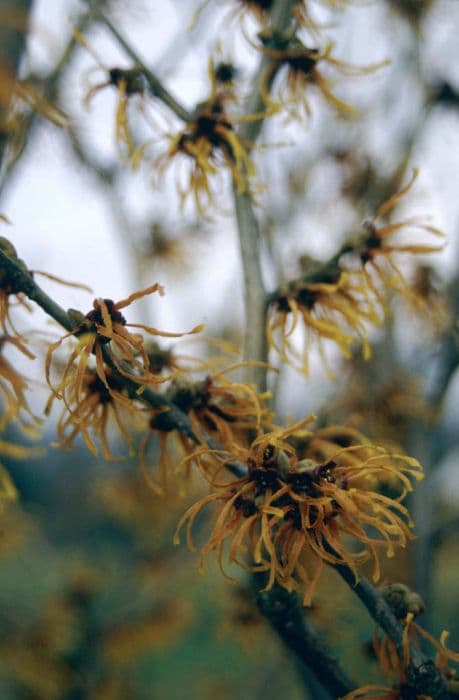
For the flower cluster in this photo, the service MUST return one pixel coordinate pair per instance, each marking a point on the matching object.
(337, 308)
(289, 515)
(287, 500)
(342, 299)
(92, 395)
(218, 408)
(207, 144)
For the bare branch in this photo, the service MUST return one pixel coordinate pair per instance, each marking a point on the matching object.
(287, 616)
(156, 87)
(255, 346)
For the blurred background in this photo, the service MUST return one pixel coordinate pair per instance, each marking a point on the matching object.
(95, 602)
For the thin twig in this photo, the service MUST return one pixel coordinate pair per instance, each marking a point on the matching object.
(255, 346)
(156, 87)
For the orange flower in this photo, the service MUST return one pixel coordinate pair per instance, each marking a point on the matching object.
(389, 660)
(157, 475)
(293, 515)
(225, 410)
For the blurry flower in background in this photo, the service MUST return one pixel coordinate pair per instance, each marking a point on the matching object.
(301, 72)
(379, 249)
(392, 406)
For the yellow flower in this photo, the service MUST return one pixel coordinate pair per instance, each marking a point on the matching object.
(378, 250)
(91, 409)
(302, 71)
(336, 308)
(293, 515)
(128, 82)
(207, 144)
(104, 333)
(389, 660)
(13, 387)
